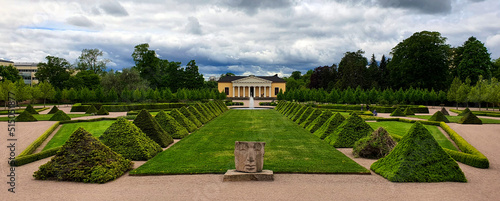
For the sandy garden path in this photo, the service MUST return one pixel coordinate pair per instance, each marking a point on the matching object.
(483, 183)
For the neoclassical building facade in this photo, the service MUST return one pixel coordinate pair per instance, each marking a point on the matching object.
(242, 87)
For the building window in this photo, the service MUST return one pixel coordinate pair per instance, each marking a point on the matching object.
(227, 91)
(276, 90)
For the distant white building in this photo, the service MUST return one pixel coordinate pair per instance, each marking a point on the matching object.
(26, 70)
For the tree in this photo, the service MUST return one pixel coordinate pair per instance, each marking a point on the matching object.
(495, 70)
(47, 91)
(90, 79)
(384, 73)
(420, 61)
(129, 79)
(9, 73)
(322, 76)
(89, 60)
(373, 73)
(452, 94)
(6, 87)
(352, 69)
(35, 94)
(55, 71)
(148, 64)
(227, 74)
(192, 78)
(296, 75)
(463, 92)
(474, 61)
(21, 91)
(479, 92)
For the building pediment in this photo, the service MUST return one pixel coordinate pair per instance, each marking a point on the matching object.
(251, 79)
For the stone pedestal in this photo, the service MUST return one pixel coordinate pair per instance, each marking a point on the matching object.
(233, 175)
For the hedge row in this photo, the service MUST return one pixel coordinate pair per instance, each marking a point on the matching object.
(469, 155)
(480, 113)
(380, 109)
(233, 103)
(88, 120)
(433, 123)
(78, 107)
(33, 146)
(25, 159)
(268, 104)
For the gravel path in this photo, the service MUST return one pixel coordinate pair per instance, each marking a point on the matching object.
(483, 184)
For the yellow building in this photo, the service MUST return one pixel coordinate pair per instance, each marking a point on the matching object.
(259, 87)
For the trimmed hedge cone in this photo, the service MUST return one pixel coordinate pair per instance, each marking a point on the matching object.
(198, 114)
(127, 139)
(318, 122)
(152, 129)
(186, 123)
(53, 110)
(190, 116)
(30, 109)
(470, 118)
(314, 114)
(434, 164)
(60, 116)
(375, 146)
(350, 131)
(25, 117)
(91, 110)
(467, 110)
(329, 126)
(170, 125)
(398, 113)
(83, 158)
(439, 116)
(102, 111)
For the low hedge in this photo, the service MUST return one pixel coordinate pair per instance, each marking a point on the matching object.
(233, 103)
(88, 120)
(380, 109)
(469, 155)
(25, 159)
(433, 123)
(479, 113)
(78, 107)
(33, 146)
(268, 104)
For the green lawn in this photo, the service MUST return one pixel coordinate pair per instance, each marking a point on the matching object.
(96, 128)
(401, 128)
(454, 119)
(289, 148)
(46, 117)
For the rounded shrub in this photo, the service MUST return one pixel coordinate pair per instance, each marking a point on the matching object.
(375, 146)
(170, 125)
(152, 129)
(25, 117)
(60, 116)
(127, 139)
(83, 158)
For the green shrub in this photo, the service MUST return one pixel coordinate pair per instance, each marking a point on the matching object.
(203, 111)
(409, 111)
(214, 108)
(398, 113)
(190, 116)
(198, 114)
(314, 114)
(470, 118)
(125, 138)
(25, 117)
(78, 107)
(467, 110)
(304, 115)
(286, 105)
(469, 155)
(444, 111)
(25, 159)
(291, 109)
(53, 110)
(91, 110)
(30, 109)
(319, 121)
(439, 116)
(418, 158)
(296, 109)
(375, 146)
(102, 111)
(83, 158)
(152, 129)
(183, 121)
(329, 126)
(299, 113)
(33, 146)
(60, 116)
(209, 112)
(169, 124)
(350, 131)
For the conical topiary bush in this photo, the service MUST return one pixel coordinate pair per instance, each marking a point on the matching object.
(53, 110)
(299, 113)
(408, 111)
(198, 114)
(314, 114)
(444, 111)
(418, 158)
(375, 146)
(318, 122)
(291, 109)
(83, 158)
(30, 109)
(350, 131)
(152, 129)
(91, 110)
(304, 115)
(438, 116)
(102, 111)
(329, 126)
(60, 116)
(203, 111)
(296, 110)
(171, 125)
(398, 113)
(190, 116)
(470, 118)
(467, 110)
(183, 121)
(25, 117)
(209, 112)
(127, 139)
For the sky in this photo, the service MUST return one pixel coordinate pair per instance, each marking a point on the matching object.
(244, 37)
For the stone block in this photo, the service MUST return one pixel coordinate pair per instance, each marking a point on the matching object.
(264, 175)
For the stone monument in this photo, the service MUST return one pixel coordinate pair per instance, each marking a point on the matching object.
(249, 161)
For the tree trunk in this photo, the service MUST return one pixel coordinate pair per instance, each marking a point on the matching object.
(456, 105)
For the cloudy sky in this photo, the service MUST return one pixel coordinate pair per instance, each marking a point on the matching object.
(260, 37)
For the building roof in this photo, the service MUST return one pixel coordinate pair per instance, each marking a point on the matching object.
(1, 60)
(274, 78)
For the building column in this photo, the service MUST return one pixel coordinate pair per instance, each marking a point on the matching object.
(233, 91)
(259, 90)
(270, 90)
(249, 94)
(264, 91)
(238, 92)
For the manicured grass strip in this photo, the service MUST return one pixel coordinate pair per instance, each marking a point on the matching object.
(401, 128)
(96, 128)
(289, 148)
(46, 117)
(454, 119)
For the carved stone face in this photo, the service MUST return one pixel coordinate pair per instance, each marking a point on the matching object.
(249, 156)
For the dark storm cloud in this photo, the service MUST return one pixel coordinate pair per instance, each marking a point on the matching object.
(114, 8)
(251, 7)
(424, 6)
